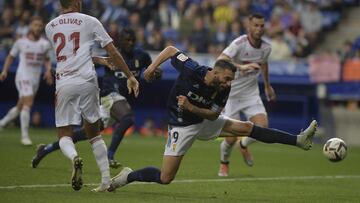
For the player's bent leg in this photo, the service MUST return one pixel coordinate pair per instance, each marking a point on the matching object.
(67, 147)
(259, 120)
(11, 115)
(121, 112)
(43, 150)
(170, 167)
(225, 152)
(167, 173)
(27, 102)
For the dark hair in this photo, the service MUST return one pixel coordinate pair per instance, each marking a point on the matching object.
(127, 31)
(256, 15)
(225, 64)
(66, 3)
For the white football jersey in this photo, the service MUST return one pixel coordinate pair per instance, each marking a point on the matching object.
(32, 55)
(242, 52)
(72, 36)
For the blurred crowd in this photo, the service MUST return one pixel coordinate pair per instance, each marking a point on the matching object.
(197, 26)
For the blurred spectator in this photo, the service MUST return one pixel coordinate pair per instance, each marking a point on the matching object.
(38, 9)
(199, 38)
(346, 51)
(7, 28)
(311, 20)
(156, 41)
(115, 12)
(19, 6)
(223, 12)
(22, 27)
(221, 36)
(135, 21)
(236, 30)
(274, 26)
(94, 8)
(280, 49)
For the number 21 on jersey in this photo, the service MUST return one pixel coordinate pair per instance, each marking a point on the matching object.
(74, 38)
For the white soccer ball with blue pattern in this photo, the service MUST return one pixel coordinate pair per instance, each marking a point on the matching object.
(335, 149)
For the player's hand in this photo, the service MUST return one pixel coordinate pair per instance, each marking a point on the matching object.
(133, 85)
(3, 76)
(48, 77)
(270, 93)
(108, 63)
(183, 102)
(249, 68)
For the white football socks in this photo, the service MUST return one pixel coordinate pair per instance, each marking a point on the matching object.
(67, 147)
(100, 153)
(24, 121)
(11, 115)
(225, 151)
(246, 141)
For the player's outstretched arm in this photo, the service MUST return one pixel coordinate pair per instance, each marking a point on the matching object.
(8, 61)
(245, 68)
(184, 103)
(164, 55)
(118, 60)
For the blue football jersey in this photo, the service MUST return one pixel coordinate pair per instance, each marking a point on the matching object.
(190, 83)
(116, 81)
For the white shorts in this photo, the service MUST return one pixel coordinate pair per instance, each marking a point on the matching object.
(105, 107)
(181, 138)
(26, 87)
(76, 102)
(250, 107)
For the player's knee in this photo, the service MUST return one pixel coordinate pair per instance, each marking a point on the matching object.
(243, 128)
(166, 179)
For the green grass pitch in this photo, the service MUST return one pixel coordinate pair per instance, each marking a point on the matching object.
(280, 174)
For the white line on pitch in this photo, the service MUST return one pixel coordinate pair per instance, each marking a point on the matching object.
(203, 181)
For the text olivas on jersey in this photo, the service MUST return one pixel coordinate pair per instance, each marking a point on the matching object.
(190, 83)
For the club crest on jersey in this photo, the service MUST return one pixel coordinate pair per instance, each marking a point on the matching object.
(182, 57)
(198, 98)
(137, 63)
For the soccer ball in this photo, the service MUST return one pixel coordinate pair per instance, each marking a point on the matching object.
(335, 149)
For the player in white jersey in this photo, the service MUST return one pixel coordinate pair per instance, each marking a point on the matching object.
(33, 51)
(77, 94)
(247, 50)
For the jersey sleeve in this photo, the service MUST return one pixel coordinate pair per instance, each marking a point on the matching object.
(181, 61)
(266, 55)
(100, 33)
(220, 101)
(233, 49)
(15, 49)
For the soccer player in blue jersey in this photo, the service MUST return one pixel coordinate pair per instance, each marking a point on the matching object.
(194, 105)
(116, 102)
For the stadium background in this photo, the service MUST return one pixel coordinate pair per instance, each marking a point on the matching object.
(312, 77)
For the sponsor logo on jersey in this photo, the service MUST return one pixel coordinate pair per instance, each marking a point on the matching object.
(198, 98)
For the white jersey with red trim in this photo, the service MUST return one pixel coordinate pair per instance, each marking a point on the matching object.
(72, 36)
(32, 55)
(242, 52)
